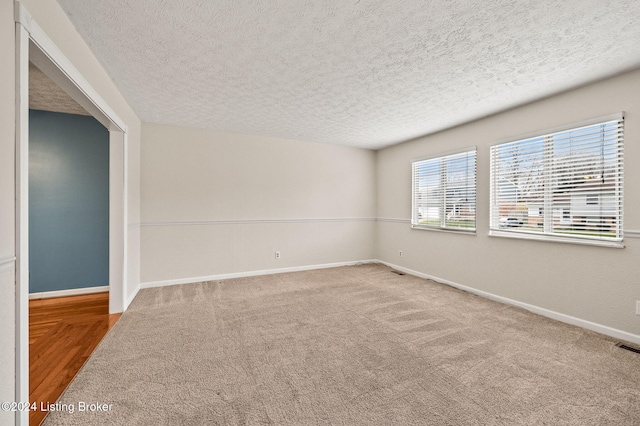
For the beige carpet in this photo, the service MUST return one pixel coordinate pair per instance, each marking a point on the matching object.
(348, 346)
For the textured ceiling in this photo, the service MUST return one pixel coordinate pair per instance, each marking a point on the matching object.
(353, 72)
(45, 95)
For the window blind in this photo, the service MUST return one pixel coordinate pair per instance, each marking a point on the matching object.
(444, 192)
(567, 184)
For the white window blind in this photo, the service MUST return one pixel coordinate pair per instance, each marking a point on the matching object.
(562, 185)
(444, 192)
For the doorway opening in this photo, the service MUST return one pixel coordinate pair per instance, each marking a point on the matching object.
(68, 239)
(33, 45)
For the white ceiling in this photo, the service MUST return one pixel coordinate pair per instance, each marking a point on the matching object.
(363, 73)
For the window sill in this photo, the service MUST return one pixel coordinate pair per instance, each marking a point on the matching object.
(450, 230)
(556, 238)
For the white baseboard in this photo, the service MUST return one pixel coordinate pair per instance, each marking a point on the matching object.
(71, 292)
(251, 273)
(603, 329)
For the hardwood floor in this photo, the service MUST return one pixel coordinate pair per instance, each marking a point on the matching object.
(63, 332)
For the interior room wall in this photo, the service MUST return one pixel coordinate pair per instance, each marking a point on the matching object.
(68, 202)
(7, 208)
(216, 203)
(594, 284)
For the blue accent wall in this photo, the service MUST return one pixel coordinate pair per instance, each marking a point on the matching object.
(68, 202)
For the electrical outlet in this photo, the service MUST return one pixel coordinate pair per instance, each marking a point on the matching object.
(400, 253)
(637, 307)
(277, 255)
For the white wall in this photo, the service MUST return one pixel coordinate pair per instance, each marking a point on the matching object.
(594, 284)
(7, 208)
(312, 202)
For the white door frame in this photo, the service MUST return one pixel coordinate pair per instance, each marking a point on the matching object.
(32, 44)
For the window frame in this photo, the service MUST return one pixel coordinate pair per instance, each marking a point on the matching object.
(599, 240)
(442, 188)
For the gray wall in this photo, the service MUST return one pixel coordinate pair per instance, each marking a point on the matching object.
(216, 203)
(68, 202)
(595, 284)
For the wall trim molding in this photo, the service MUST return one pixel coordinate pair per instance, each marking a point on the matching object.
(393, 220)
(69, 292)
(258, 221)
(568, 319)
(629, 233)
(192, 280)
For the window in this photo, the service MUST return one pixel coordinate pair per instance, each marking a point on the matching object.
(571, 179)
(593, 201)
(444, 192)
